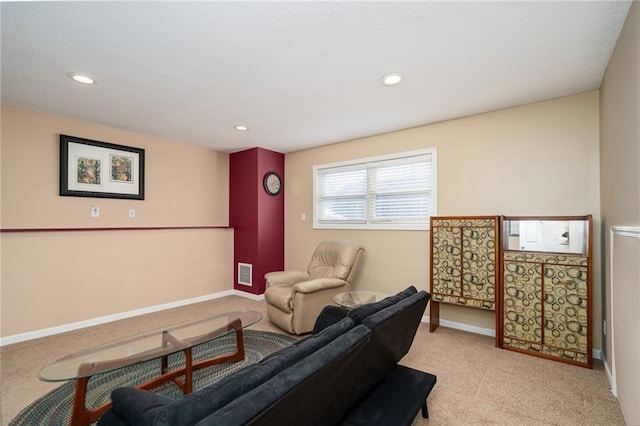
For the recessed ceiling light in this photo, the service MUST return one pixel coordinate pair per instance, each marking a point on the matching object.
(81, 78)
(241, 128)
(392, 79)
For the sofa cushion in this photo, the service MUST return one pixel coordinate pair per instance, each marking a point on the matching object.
(318, 387)
(332, 314)
(310, 344)
(361, 312)
(394, 329)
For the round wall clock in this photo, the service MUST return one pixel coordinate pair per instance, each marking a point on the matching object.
(272, 183)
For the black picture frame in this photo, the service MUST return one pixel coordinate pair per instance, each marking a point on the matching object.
(90, 168)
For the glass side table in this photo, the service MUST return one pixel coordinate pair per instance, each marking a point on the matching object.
(352, 299)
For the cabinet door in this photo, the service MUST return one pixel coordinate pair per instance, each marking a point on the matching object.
(565, 308)
(446, 261)
(479, 265)
(523, 305)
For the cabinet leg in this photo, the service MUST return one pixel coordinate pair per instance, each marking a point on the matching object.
(434, 315)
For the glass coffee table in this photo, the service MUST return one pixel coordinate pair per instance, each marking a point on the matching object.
(351, 299)
(160, 343)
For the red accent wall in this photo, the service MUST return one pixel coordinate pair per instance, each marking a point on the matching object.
(257, 218)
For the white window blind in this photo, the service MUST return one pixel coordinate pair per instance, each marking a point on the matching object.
(390, 192)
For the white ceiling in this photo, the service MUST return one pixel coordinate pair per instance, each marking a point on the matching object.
(299, 74)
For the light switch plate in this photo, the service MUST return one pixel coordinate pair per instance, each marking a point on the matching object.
(95, 211)
(132, 213)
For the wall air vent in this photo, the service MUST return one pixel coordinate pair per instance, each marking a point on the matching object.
(245, 273)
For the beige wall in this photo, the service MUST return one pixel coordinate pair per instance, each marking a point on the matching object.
(55, 278)
(536, 159)
(620, 204)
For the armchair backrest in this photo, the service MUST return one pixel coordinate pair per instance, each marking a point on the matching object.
(335, 259)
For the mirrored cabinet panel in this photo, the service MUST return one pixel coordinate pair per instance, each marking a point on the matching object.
(545, 235)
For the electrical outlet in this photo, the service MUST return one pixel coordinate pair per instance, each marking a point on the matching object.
(132, 213)
(95, 211)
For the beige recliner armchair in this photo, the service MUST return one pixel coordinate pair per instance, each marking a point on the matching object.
(295, 298)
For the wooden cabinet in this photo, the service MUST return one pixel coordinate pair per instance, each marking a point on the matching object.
(464, 263)
(545, 307)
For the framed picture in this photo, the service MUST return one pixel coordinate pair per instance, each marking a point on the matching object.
(90, 168)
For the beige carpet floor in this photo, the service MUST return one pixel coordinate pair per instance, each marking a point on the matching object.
(478, 384)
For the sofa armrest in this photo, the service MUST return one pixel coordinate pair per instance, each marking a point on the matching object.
(329, 316)
(285, 278)
(319, 284)
(136, 406)
(111, 418)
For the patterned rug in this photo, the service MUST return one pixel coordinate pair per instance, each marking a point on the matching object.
(54, 408)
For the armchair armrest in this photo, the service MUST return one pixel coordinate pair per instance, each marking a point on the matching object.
(318, 284)
(287, 278)
(309, 297)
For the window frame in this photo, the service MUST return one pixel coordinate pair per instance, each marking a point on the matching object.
(380, 225)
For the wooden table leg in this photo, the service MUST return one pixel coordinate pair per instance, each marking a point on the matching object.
(164, 366)
(188, 372)
(80, 416)
(238, 355)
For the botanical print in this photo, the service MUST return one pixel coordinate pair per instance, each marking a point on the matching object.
(121, 169)
(91, 168)
(89, 171)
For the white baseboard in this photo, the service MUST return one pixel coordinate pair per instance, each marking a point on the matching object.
(464, 327)
(248, 295)
(609, 374)
(17, 338)
(597, 354)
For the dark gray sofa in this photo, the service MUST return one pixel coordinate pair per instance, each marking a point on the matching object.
(346, 373)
